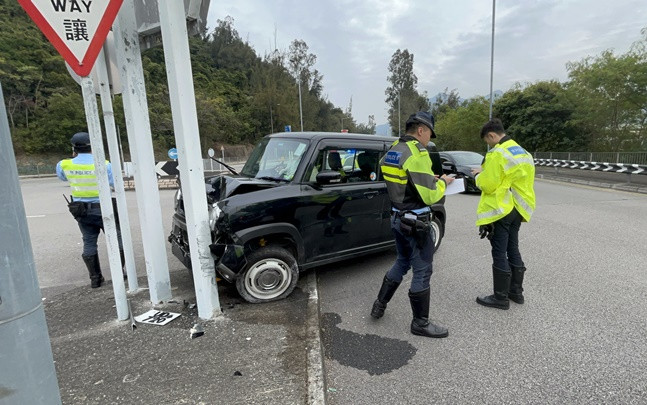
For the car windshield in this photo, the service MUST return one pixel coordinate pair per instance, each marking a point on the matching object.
(275, 159)
(467, 158)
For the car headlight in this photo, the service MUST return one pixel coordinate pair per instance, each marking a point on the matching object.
(214, 214)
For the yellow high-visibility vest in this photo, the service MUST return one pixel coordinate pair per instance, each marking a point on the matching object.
(506, 182)
(409, 162)
(82, 178)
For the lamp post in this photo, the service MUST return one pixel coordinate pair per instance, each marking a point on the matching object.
(300, 106)
(399, 114)
(342, 123)
(272, 116)
(492, 59)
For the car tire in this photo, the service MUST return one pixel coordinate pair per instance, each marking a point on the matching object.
(271, 274)
(439, 231)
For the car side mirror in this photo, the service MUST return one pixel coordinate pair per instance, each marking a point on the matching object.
(328, 176)
(449, 168)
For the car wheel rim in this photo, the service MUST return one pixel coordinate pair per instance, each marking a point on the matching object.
(268, 279)
(436, 229)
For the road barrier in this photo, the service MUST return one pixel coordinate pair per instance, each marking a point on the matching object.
(628, 168)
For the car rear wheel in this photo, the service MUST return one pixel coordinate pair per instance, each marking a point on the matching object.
(271, 274)
(438, 231)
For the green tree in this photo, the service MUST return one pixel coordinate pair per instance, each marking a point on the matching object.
(539, 117)
(611, 94)
(459, 128)
(401, 94)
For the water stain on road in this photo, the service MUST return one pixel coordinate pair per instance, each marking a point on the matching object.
(373, 353)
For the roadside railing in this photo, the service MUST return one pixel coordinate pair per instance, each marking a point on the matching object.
(637, 158)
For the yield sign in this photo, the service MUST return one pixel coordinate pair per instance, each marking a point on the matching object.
(76, 28)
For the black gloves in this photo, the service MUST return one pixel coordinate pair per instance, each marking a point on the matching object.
(486, 231)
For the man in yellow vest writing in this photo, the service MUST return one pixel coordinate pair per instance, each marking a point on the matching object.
(80, 173)
(506, 179)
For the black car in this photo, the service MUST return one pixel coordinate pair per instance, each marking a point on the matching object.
(461, 164)
(301, 200)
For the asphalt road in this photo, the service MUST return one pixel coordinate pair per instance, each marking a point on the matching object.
(56, 239)
(578, 339)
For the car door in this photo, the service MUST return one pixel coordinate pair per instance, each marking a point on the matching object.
(344, 216)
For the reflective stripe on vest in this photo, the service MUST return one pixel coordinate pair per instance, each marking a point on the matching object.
(82, 178)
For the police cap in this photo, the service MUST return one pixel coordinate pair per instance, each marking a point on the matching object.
(423, 117)
(80, 139)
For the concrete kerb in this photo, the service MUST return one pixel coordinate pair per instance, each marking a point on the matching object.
(315, 365)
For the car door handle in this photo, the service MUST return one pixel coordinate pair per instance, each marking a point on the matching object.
(371, 194)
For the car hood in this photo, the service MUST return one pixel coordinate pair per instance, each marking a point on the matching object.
(220, 187)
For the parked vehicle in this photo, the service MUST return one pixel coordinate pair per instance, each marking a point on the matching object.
(461, 164)
(301, 200)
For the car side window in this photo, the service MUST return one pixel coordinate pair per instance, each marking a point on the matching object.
(354, 165)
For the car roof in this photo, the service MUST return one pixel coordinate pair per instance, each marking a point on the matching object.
(460, 151)
(333, 135)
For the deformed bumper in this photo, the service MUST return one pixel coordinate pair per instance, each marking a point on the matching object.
(229, 258)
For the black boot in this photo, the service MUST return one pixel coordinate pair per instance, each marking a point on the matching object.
(420, 324)
(123, 264)
(501, 281)
(383, 297)
(92, 263)
(516, 284)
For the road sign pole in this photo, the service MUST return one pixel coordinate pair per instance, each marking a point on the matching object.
(187, 137)
(113, 147)
(141, 150)
(101, 170)
(27, 373)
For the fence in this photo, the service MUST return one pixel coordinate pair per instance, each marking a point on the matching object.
(36, 169)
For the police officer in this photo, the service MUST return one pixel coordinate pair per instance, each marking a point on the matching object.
(412, 188)
(80, 173)
(506, 180)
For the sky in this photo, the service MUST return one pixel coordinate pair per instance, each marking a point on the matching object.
(450, 40)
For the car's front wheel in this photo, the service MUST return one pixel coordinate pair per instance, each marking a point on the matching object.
(271, 274)
(437, 226)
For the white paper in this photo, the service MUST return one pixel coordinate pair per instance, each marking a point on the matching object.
(155, 317)
(455, 187)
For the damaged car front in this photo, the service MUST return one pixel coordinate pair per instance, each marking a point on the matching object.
(241, 207)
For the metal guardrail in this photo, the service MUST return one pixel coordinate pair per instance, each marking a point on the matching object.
(595, 166)
(637, 158)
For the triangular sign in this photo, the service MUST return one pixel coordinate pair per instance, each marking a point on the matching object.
(76, 28)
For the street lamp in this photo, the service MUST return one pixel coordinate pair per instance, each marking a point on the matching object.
(399, 114)
(272, 117)
(492, 59)
(300, 106)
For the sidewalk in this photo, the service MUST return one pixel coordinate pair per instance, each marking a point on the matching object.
(252, 354)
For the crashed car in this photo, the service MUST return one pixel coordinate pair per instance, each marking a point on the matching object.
(301, 200)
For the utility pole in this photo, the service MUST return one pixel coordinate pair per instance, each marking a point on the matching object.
(27, 373)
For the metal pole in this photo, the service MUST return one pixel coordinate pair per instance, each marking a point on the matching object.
(113, 148)
(492, 60)
(271, 119)
(27, 373)
(187, 137)
(399, 114)
(101, 170)
(141, 152)
(300, 107)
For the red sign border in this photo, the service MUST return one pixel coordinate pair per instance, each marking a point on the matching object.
(84, 67)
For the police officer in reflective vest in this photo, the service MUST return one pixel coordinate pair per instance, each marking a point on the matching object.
(412, 188)
(85, 208)
(506, 179)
